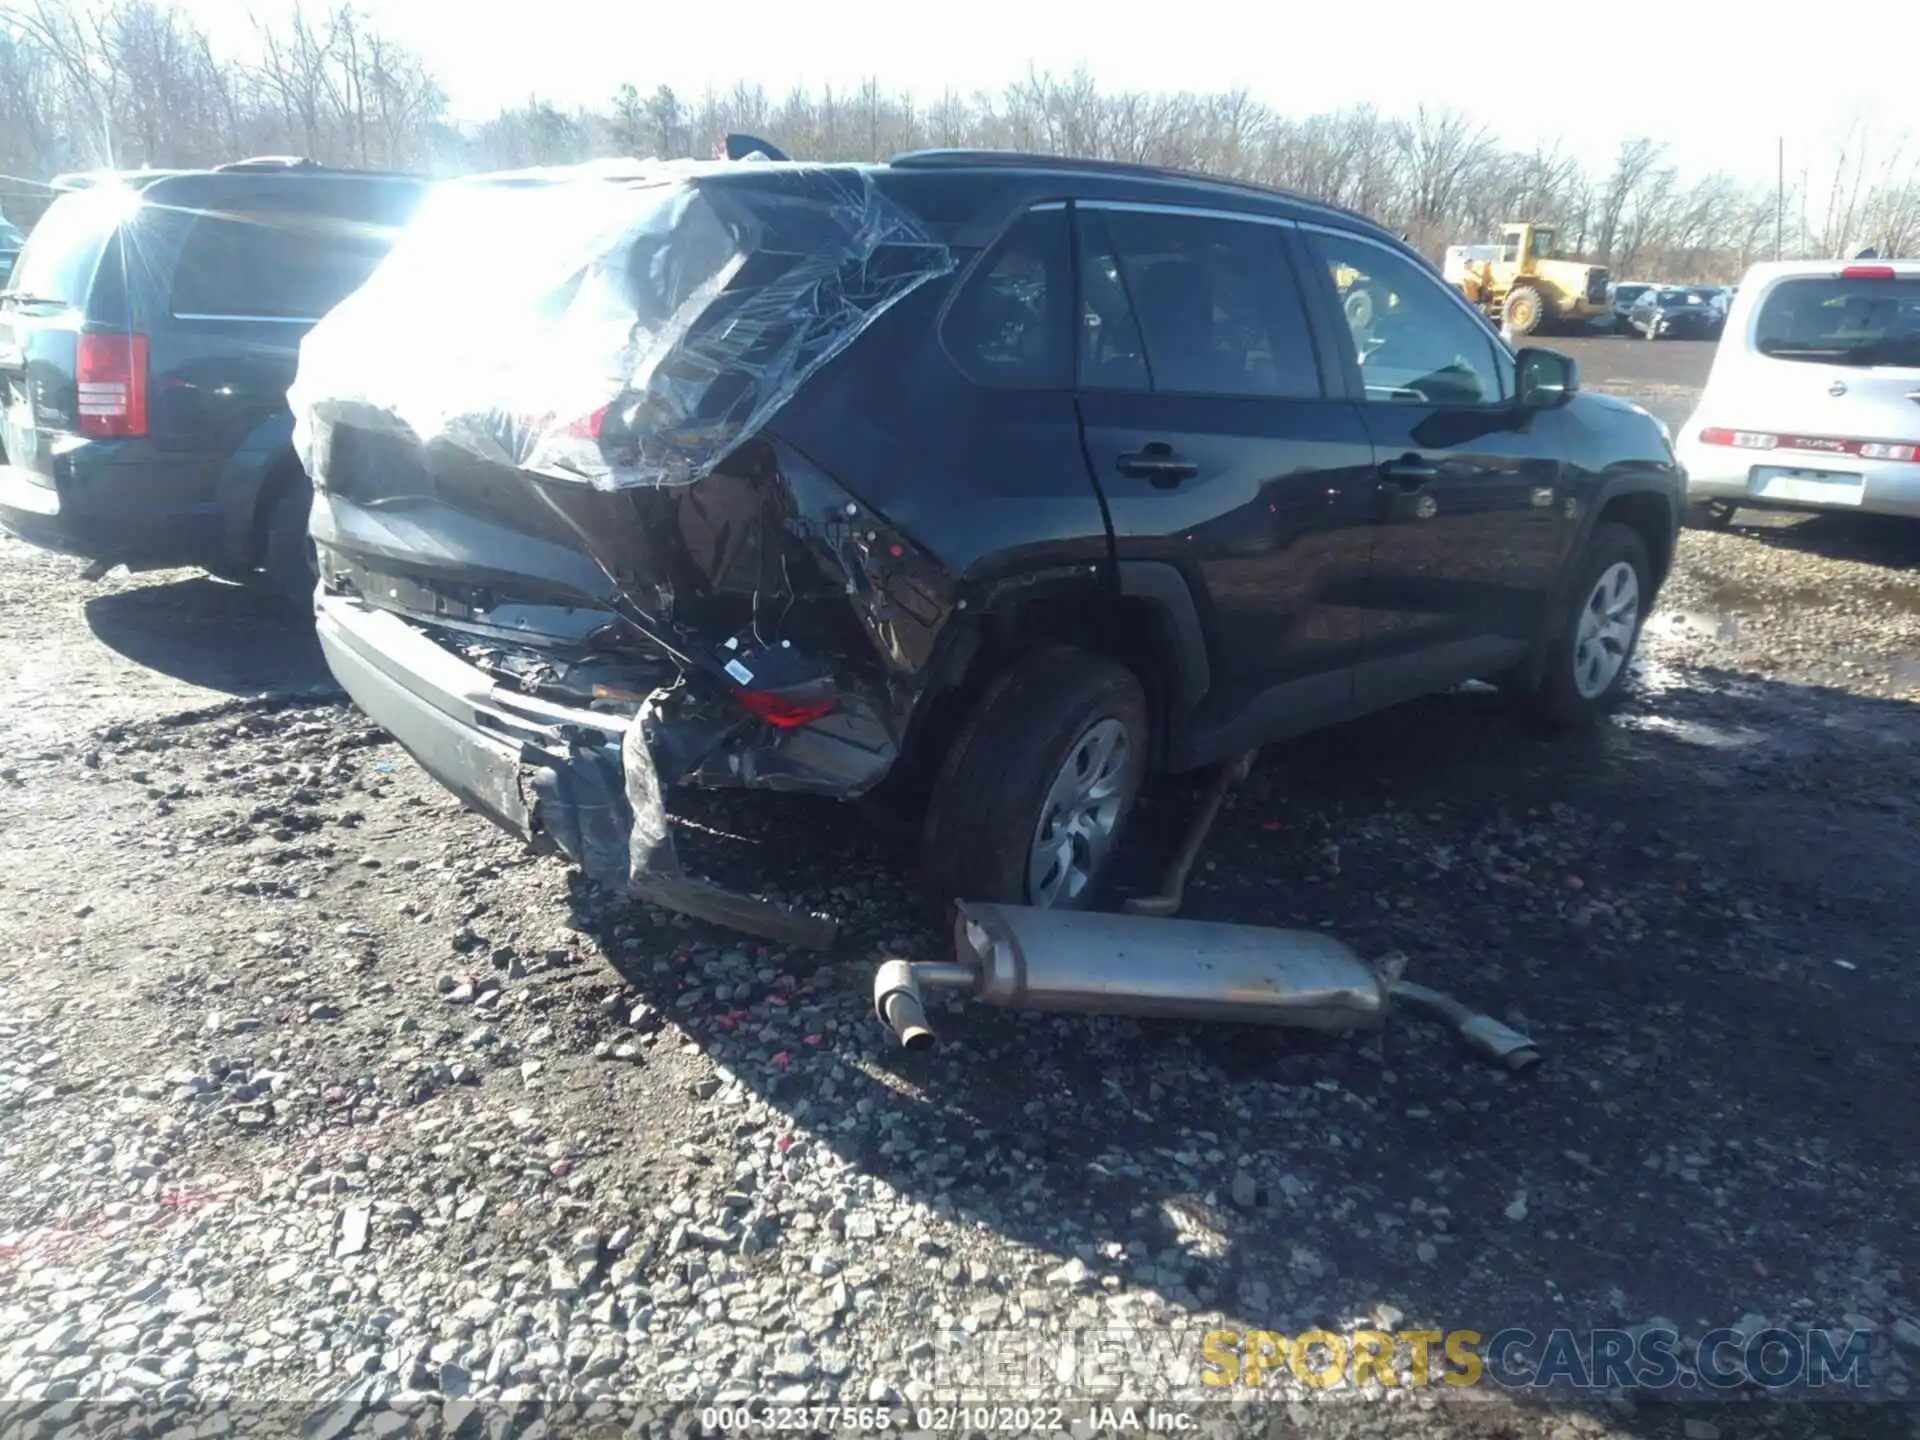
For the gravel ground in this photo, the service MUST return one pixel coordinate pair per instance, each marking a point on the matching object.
(315, 1087)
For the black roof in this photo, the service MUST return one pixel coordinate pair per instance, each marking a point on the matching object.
(1035, 163)
(288, 165)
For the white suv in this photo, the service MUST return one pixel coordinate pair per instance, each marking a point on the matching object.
(1813, 402)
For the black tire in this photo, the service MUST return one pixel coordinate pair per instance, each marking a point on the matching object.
(1556, 699)
(290, 561)
(1360, 307)
(1711, 514)
(1533, 310)
(986, 805)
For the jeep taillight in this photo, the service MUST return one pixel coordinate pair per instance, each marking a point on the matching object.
(110, 375)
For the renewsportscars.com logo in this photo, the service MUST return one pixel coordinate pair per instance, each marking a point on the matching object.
(1559, 1360)
(1223, 1364)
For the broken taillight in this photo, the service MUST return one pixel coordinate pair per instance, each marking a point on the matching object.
(779, 711)
(110, 378)
(588, 427)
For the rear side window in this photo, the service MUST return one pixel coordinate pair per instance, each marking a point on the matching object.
(64, 249)
(1213, 301)
(271, 261)
(1841, 321)
(1009, 324)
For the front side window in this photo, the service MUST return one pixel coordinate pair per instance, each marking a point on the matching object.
(1843, 320)
(1543, 244)
(1209, 305)
(1414, 342)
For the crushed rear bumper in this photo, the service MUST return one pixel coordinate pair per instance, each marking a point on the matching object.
(562, 778)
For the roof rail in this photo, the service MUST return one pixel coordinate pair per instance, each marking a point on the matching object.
(88, 179)
(959, 159)
(271, 162)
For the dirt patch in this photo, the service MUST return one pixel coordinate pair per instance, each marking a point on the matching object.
(315, 1085)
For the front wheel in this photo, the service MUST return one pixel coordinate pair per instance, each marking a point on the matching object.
(291, 562)
(1034, 796)
(1595, 635)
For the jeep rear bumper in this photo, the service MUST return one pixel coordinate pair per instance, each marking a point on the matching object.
(560, 777)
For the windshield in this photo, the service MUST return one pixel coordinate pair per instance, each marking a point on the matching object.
(66, 245)
(1629, 292)
(1839, 321)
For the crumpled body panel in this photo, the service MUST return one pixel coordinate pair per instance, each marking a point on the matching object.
(620, 324)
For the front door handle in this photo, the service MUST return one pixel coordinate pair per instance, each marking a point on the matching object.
(1156, 462)
(1409, 472)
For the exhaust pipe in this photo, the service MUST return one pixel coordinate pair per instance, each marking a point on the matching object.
(1482, 1034)
(1083, 962)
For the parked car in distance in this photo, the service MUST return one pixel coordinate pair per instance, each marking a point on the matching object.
(1673, 312)
(1625, 294)
(1714, 297)
(147, 339)
(1108, 482)
(11, 243)
(1813, 402)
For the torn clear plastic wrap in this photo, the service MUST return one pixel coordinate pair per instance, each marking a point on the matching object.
(621, 324)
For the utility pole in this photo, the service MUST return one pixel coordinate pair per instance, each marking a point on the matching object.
(1780, 200)
(1803, 211)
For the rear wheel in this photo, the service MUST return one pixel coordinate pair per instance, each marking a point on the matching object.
(1594, 636)
(291, 561)
(1035, 794)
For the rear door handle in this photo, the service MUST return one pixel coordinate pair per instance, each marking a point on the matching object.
(1409, 472)
(1156, 462)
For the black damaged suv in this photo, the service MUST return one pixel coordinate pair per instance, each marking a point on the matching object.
(1079, 471)
(147, 337)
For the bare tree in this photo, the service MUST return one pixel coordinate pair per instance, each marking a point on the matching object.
(1637, 159)
(129, 82)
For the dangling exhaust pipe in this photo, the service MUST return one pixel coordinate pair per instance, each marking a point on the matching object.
(1096, 964)
(1084, 962)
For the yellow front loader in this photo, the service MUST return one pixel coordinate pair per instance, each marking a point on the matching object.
(1520, 282)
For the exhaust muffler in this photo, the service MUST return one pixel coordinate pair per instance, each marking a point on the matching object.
(1084, 962)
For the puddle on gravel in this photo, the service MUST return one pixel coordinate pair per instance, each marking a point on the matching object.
(1696, 732)
(1678, 624)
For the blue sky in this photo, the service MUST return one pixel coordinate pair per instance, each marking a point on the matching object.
(1709, 76)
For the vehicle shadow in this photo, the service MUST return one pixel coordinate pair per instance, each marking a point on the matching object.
(1701, 912)
(219, 636)
(1885, 540)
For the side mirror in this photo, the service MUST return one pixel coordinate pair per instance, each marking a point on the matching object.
(1545, 379)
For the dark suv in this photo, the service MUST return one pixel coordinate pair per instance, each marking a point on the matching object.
(1002, 480)
(147, 338)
